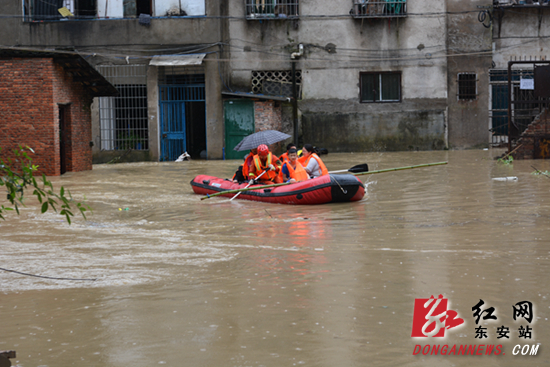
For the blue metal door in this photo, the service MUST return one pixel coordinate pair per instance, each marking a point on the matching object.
(173, 136)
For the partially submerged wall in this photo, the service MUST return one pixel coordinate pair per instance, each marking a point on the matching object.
(413, 125)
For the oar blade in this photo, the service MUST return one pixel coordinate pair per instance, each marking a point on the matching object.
(359, 168)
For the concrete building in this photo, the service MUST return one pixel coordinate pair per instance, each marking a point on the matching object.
(376, 75)
(347, 75)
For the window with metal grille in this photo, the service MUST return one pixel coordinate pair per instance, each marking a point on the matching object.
(48, 9)
(380, 87)
(467, 86)
(123, 119)
(275, 82)
(379, 8)
(272, 9)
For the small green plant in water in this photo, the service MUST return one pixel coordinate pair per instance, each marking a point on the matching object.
(538, 173)
(507, 160)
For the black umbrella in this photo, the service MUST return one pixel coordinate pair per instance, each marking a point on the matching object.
(266, 137)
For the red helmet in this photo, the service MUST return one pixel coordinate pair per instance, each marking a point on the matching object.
(263, 149)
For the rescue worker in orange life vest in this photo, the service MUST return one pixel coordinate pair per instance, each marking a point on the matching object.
(242, 172)
(292, 170)
(266, 162)
(284, 157)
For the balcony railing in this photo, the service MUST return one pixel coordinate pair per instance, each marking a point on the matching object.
(379, 8)
(520, 3)
(272, 9)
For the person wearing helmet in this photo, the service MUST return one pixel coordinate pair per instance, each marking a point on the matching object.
(266, 162)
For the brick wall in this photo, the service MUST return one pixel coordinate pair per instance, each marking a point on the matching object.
(78, 115)
(267, 115)
(30, 90)
(540, 127)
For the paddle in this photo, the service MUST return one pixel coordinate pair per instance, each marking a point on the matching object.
(363, 167)
(208, 196)
(400, 168)
(250, 183)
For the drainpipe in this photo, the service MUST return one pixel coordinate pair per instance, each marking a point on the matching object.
(293, 60)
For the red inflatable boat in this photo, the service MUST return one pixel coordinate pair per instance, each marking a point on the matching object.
(321, 190)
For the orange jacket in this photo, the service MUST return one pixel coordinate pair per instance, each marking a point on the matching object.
(298, 173)
(256, 168)
(284, 157)
(246, 165)
(305, 161)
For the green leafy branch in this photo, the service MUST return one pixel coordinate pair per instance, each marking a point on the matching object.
(506, 160)
(17, 176)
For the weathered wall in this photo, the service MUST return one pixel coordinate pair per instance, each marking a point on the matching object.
(215, 130)
(267, 115)
(31, 90)
(332, 114)
(412, 125)
(469, 48)
(523, 32)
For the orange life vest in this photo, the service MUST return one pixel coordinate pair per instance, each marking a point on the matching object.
(324, 170)
(269, 175)
(298, 173)
(284, 157)
(246, 165)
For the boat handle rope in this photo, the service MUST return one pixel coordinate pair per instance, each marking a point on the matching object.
(341, 188)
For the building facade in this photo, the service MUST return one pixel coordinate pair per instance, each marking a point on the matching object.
(346, 75)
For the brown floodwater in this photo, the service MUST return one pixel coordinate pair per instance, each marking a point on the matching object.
(185, 282)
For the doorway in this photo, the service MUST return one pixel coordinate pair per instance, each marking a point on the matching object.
(182, 116)
(64, 138)
(239, 122)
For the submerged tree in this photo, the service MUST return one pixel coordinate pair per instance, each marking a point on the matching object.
(17, 175)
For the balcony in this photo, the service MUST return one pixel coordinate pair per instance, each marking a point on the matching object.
(379, 9)
(520, 3)
(272, 9)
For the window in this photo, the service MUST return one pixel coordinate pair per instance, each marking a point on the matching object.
(133, 8)
(123, 119)
(48, 9)
(381, 87)
(379, 8)
(275, 82)
(467, 86)
(272, 9)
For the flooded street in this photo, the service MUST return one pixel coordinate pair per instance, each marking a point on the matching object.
(185, 282)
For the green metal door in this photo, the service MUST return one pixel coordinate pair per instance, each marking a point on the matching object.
(239, 122)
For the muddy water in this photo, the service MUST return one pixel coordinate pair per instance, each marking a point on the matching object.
(184, 282)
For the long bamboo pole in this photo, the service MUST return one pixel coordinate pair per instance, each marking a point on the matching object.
(208, 196)
(399, 168)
